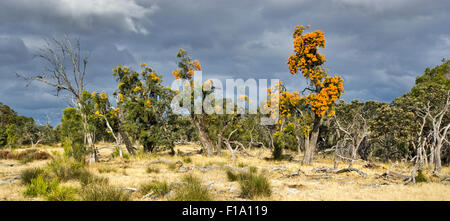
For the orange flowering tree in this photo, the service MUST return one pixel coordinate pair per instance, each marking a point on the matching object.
(294, 121)
(186, 69)
(323, 89)
(144, 108)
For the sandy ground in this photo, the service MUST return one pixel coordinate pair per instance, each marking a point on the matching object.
(312, 186)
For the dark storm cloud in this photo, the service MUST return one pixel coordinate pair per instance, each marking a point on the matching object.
(378, 46)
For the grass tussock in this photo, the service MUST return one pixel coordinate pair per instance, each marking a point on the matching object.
(107, 170)
(152, 170)
(27, 175)
(157, 187)
(68, 169)
(63, 193)
(252, 184)
(40, 186)
(103, 192)
(193, 190)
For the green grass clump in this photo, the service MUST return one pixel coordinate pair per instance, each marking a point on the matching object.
(157, 187)
(252, 184)
(116, 153)
(232, 176)
(152, 170)
(62, 193)
(421, 178)
(107, 170)
(187, 160)
(172, 166)
(68, 169)
(103, 192)
(193, 190)
(39, 186)
(32, 173)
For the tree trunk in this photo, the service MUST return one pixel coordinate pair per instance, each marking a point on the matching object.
(310, 145)
(203, 136)
(437, 160)
(299, 145)
(125, 138)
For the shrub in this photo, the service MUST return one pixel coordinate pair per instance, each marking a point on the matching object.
(421, 177)
(252, 184)
(116, 153)
(232, 176)
(25, 156)
(187, 160)
(32, 173)
(107, 170)
(85, 177)
(152, 170)
(40, 187)
(172, 166)
(66, 169)
(103, 192)
(62, 193)
(158, 188)
(193, 190)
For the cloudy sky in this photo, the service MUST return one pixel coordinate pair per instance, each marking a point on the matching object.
(379, 47)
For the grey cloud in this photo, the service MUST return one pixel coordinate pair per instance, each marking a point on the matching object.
(379, 46)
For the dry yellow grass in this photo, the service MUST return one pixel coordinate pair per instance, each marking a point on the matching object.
(331, 187)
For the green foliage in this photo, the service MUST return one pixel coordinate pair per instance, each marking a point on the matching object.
(116, 153)
(172, 166)
(193, 190)
(107, 169)
(103, 192)
(232, 176)
(40, 187)
(252, 184)
(421, 178)
(152, 170)
(157, 187)
(27, 175)
(187, 160)
(73, 133)
(62, 193)
(144, 104)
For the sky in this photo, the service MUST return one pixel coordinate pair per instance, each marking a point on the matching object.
(379, 47)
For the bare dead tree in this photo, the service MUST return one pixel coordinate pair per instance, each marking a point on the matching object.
(439, 131)
(66, 71)
(353, 134)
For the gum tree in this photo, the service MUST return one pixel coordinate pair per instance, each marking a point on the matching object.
(186, 69)
(66, 71)
(144, 108)
(323, 90)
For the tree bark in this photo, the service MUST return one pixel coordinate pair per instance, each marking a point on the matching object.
(310, 144)
(203, 136)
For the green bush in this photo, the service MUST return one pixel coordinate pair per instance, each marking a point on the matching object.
(252, 184)
(158, 188)
(187, 160)
(40, 187)
(232, 176)
(67, 169)
(152, 170)
(116, 153)
(103, 192)
(32, 173)
(62, 193)
(107, 170)
(421, 178)
(193, 190)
